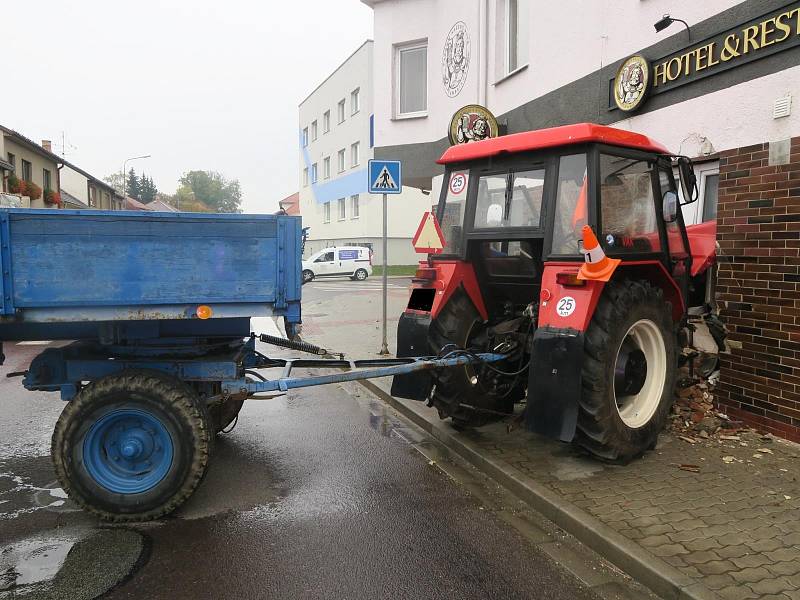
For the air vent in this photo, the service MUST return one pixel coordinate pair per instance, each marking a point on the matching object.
(782, 107)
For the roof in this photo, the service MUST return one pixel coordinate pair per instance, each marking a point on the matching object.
(68, 198)
(160, 206)
(566, 135)
(4, 164)
(31, 145)
(291, 204)
(133, 204)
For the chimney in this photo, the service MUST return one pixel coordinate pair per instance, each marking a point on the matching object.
(47, 145)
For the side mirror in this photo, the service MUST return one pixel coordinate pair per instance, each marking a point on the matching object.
(688, 180)
(669, 207)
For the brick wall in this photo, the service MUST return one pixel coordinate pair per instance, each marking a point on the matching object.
(759, 288)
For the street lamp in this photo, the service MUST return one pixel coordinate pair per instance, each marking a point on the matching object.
(125, 171)
(667, 20)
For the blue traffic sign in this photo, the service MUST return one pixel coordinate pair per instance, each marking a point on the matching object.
(385, 177)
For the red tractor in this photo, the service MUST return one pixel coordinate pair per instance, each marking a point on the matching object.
(592, 332)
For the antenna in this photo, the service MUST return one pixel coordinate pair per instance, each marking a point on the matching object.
(64, 145)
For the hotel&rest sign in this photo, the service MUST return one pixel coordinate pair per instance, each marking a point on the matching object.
(636, 78)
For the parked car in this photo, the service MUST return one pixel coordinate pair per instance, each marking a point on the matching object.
(354, 262)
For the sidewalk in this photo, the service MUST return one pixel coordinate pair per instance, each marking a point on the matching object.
(715, 517)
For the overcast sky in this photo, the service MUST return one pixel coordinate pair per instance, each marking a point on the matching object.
(197, 84)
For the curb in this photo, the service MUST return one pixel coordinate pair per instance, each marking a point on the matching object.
(658, 575)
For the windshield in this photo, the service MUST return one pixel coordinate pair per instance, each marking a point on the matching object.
(451, 214)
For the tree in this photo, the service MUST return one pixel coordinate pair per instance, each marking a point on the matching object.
(212, 190)
(147, 189)
(133, 188)
(115, 180)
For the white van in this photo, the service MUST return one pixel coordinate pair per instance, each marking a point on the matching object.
(353, 261)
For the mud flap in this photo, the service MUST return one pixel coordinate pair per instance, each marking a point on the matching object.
(554, 385)
(412, 340)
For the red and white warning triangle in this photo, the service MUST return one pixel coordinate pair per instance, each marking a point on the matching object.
(429, 238)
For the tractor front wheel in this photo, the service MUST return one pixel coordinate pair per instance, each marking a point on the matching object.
(629, 366)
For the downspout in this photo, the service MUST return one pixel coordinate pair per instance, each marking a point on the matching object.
(58, 182)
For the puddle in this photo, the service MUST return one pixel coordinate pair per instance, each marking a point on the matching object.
(32, 561)
(77, 563)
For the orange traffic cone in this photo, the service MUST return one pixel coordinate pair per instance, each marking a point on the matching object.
(598, 267)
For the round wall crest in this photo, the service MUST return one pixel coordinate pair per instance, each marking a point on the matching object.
(455, 59)
(632, 83)
(472, 123)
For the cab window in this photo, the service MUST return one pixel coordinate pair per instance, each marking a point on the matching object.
(510, 199)
(669, 196)
(571, 205)
(327, 257)
(627, 206)
(451, 212)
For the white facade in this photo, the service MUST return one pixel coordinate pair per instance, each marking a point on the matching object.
(558, 44)
(324, 135)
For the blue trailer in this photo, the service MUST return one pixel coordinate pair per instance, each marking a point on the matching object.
(155, 310)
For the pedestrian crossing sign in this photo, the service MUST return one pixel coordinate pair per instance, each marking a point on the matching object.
(385, 177)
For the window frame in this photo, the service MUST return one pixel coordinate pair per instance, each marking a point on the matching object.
(305, 177)
(355, 206)
(326, 167)
(47, 179)
(314, 130)
(326, 212)
(341, 112)
(398, 51)
(305, 137)
(26, 165)
(507, 59)
(355, 154)
(314, 173)
(12, 159)
(326, 121)
(355, 101)
(342, 160)
(341, 209)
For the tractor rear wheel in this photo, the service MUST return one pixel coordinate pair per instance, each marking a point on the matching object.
(629, 366)
(460, 325)
(132, 446)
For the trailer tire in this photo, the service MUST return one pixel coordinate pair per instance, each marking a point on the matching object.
(630, 344)
(132, 446)
(224, 413)
(460, 323)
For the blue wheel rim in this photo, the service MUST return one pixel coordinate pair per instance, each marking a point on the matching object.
(128, 451)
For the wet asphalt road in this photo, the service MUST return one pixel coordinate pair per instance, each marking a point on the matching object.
(320, 494)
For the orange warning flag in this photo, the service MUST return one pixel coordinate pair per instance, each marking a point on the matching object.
(598, 267)
(429, 238)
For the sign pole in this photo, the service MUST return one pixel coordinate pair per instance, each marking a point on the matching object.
(385, 346)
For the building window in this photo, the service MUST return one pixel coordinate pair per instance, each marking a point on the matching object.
(355, 104)
(305, 176)
(354, 154)
(326, 121)
(411, 87)
(326, 167)
(512, 35)
(314, 173)
(46, 181)
(326, 212)
(354, 207)
(305, 137)
(27, 170)
(341, 110)
(92, 196)
(342, 209)
(12, 159)
(342, 163)
(314, 131)
(710, 191)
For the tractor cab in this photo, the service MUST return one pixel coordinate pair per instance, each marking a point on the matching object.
(513, 212)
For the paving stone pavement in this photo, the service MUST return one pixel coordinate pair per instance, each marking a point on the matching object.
(734, 526)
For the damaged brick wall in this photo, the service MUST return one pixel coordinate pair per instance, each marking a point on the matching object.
(758, 231)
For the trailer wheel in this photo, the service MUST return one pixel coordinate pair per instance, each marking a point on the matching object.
(224, 413)
(629, 366)
(132, 446)
(460, 323)
(307, 276)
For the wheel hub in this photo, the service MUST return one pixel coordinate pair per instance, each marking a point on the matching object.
(630, 371)
(128, 451)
